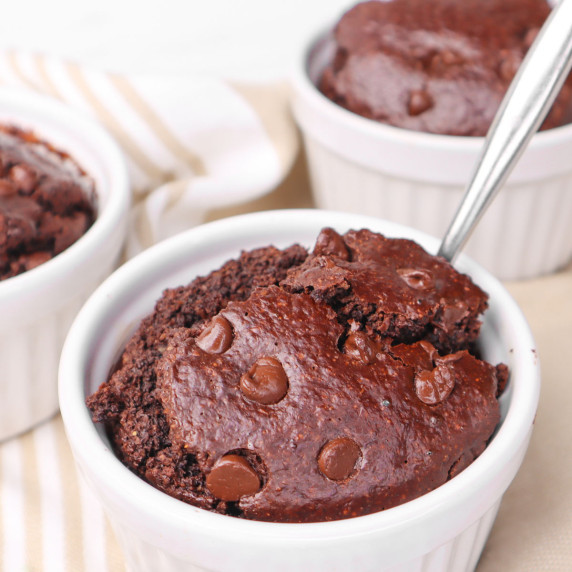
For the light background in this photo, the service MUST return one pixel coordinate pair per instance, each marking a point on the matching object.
(237, 39)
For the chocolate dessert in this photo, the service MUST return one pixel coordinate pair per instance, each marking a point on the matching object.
(439, 67)
(46, 201)
(296, 386)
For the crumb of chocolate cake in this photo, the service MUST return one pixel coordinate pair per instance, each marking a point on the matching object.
(393, 289)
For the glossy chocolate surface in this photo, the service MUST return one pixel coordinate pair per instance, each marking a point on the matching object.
(439, 67)
(46, 202)
(327, 399)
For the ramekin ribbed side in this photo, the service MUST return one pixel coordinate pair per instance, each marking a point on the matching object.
(526, 232)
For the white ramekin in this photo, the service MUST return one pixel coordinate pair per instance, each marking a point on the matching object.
(38, 306)
(359, 165)
(444, 530)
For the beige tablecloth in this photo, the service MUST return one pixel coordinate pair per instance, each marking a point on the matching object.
(533, 530)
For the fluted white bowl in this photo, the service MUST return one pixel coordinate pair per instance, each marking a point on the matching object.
(38, 306)
(444, 530)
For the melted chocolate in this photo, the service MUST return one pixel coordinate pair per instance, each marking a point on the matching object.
(440, 67)
(46, 202)
(296, 387)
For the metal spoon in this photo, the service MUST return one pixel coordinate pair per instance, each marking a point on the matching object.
(520, 114)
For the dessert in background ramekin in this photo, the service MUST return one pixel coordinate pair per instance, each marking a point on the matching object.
(441, 530)
(39, 304)
(296, 385)
(46, 201)
(417, 178)
(441, 67)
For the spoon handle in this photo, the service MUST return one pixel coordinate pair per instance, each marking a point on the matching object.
(520, 114)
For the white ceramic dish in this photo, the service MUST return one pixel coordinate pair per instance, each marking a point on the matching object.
(444, 530)
(417, 179)
(38, 306)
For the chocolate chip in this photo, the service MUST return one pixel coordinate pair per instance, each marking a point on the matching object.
(454, 314)
(22, 208)
(450, 358)
(509, 64)
(451, 58)
(433, 387)
(416, 278)
(462, 463)
(340, 59)
(266, 381)
(217, 337)
(436, 65)
(430, 349)
(443, 60)
(419, 102)
(7, 188)
(232, 477)
(329, 242)
(70, 228)
(34, 259)
(338, 458)
(530, 36)
(360, 346)
(24, 178)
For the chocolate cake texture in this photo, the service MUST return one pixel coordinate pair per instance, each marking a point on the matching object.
(46, 201)
(296, 386)
(439, 66)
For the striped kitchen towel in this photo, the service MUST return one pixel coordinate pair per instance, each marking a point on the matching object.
(49, 519)
(191, 143)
